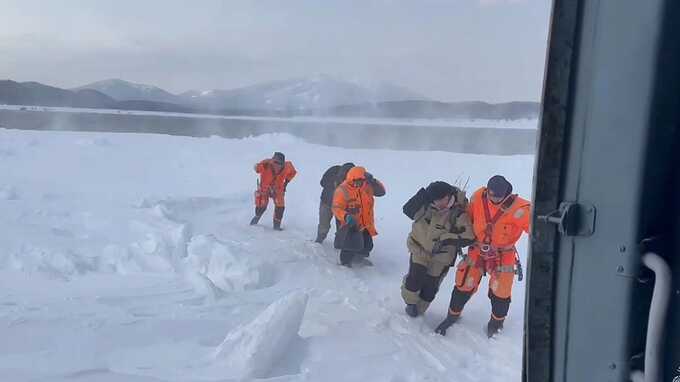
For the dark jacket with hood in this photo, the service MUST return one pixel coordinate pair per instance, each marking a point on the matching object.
(331, 179)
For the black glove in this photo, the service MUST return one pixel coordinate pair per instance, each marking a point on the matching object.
(448, 321)
(457, 242)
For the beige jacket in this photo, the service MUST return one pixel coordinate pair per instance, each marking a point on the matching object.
(441, 232)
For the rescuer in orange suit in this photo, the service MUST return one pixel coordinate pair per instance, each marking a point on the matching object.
(498, 217)
(353, 203)
(275, 174)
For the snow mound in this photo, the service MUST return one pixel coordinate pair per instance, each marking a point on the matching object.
(156, 244)
(228, 271)
(52, 263)
(253, 350)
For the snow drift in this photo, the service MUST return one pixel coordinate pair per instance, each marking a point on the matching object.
(128, 257)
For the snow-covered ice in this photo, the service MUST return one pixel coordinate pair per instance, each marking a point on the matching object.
(128, 257)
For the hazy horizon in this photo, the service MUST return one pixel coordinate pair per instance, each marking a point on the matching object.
(485, 50)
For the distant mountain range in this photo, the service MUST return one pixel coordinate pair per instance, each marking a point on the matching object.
(37, 94)
(127, 91)
(319, 95)
(34, 93)
(303, 95)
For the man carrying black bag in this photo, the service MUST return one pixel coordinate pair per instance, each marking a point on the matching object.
(353, 207)
(330, 180)
(441, 227)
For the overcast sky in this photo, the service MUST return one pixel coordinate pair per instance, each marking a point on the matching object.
(451, 50)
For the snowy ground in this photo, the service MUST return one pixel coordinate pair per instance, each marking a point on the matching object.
(128, 258)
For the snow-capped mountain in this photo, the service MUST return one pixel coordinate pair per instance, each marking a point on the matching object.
(320, 95)
(34, 93)
(129, 91)
(319, 92)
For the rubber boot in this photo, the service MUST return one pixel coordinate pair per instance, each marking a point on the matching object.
(278, 217)
(259, 211)
(319, 238)
(346, 258)
(494, 326)
(411, 310)
(446, 324)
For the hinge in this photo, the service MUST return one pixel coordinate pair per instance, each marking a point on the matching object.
(572, 219)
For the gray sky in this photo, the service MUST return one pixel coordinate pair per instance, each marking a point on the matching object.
(451, 50)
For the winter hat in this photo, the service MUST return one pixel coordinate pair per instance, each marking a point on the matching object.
(499, 186)
(356, 173)
(279, 158)
(437, 190)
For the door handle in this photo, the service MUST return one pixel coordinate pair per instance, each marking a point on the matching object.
(572, 219)
(657, 319)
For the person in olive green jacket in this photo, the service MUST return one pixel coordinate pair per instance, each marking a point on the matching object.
(441, 227)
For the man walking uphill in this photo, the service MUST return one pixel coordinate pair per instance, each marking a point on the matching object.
(498, 217)
(353, 207)
(441, 227)
(330, 180)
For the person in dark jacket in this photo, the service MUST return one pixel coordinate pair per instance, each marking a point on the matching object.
(330, 180)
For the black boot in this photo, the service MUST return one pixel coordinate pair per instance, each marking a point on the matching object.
(319, 238)
(494, 326)
(278, 217)
(444, 325)
(346, 258)
(411, 310)
(259, 211)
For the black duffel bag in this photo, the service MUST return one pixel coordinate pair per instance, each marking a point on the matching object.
(417, 201)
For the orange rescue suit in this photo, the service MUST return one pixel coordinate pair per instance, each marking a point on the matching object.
(497, 229)
(356, 201)
(272, 184)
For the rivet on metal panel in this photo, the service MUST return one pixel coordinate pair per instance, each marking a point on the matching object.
(622, 249)
(612, 366)
(620, 269)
